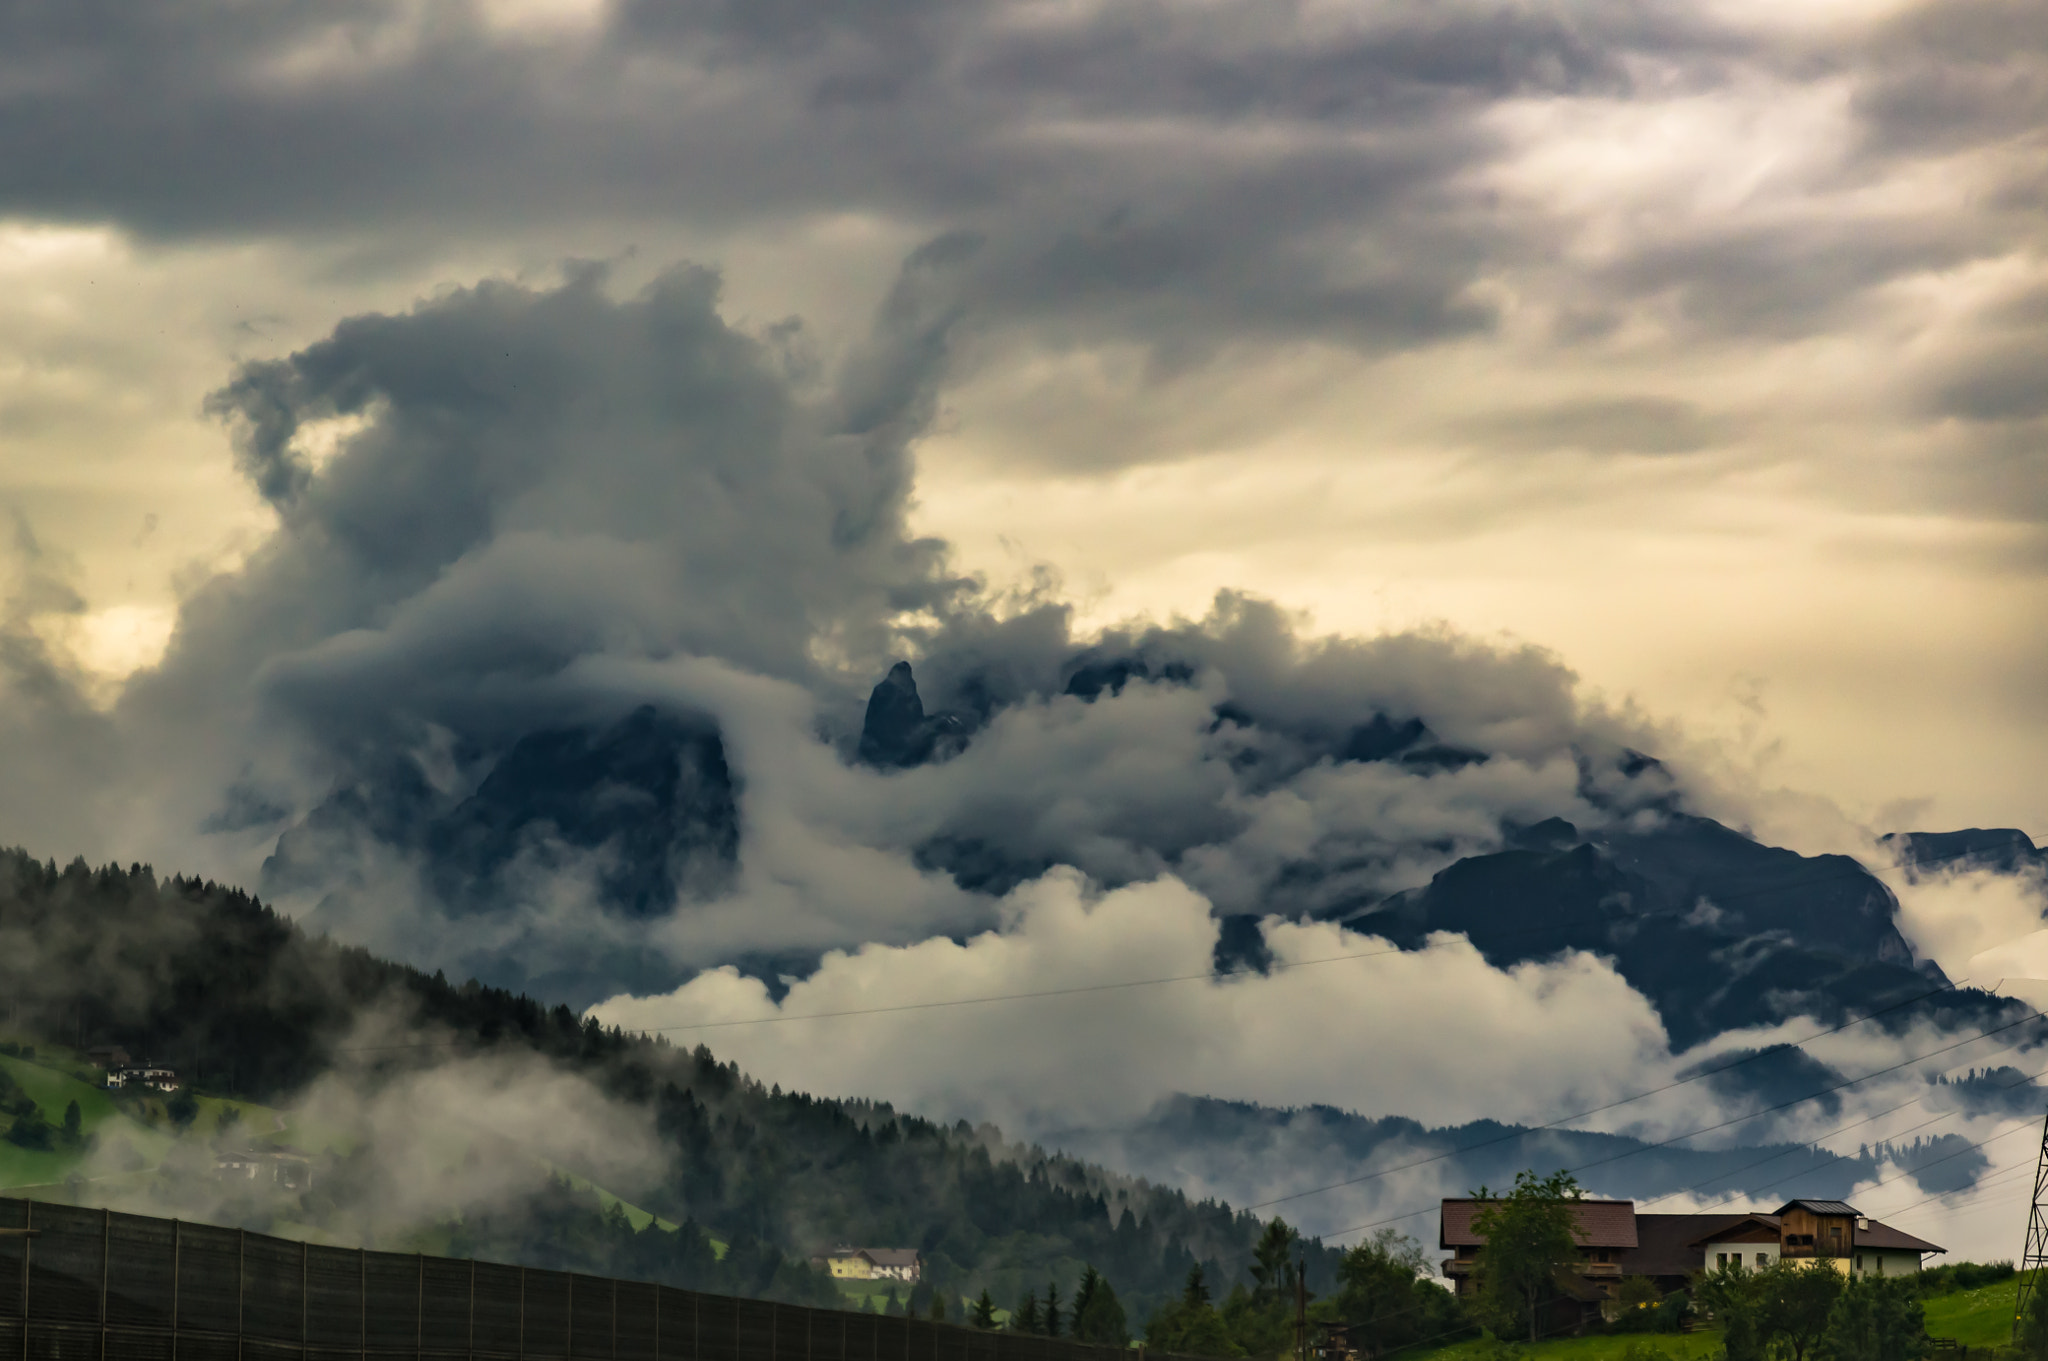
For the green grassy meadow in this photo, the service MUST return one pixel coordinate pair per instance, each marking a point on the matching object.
(128, 1140)
(1975, 1318)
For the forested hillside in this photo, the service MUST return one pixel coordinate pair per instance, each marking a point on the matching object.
(247, 1006)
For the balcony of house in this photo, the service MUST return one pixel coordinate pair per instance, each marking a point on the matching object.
(1458, 1268)
(1598, 1271)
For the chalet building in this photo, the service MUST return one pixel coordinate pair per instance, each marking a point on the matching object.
(155, 1079)
(285, 1167)
(1615, 1242)
(108, 1056)
(872, 1264)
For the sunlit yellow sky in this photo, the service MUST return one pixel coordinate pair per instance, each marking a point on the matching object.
(1768, 539)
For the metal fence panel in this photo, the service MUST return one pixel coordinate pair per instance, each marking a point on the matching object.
(792, 1335)
(209, 1274)
(496, 1309)
(97, 1286)
(273, 1290)
(66, 1264)
(208, 1347)
(590, 1318)
(14, 1214)
(444, 1305)
(634, 1321)
(547, 1315)
(63, 1341)
(138, 1344)
(675, 1324)
(334, 1299)
(718, 1328)
(859, 1331)
(391, 1301)
(756, 1330)
(828, 1335)
(140, 1283)
(892, 1339)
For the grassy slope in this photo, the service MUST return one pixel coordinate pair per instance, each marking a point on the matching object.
(1976, 1318)
(56, 1077)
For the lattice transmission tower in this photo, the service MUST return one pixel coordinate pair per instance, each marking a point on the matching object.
(2036, 1258)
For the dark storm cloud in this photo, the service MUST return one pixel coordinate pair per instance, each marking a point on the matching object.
(1957, 75)
(543, 474)
(1156, 169)
(1188, 176)
(569, 592)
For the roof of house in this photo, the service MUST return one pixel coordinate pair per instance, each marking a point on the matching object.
(1670, 1244)
(1726, 1224)
(1602, 1223)
(1885, 1236)
(1819, 1207)
(1667, 1244)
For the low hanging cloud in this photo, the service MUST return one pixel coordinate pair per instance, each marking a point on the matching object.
(1436, 1033)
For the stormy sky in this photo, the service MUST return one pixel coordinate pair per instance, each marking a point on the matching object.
(382, 381)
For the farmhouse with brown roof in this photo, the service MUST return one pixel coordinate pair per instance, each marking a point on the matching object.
(1615, 1241)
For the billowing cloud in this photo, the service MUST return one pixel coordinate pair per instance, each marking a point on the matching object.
(1338, 1012)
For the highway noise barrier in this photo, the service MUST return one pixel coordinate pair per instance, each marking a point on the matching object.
(93, 1285)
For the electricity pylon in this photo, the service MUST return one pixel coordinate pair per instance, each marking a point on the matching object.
(2036, 1259)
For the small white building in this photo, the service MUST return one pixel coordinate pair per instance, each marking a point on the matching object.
(155, 1079)
(872, 1264)
(286, 1167)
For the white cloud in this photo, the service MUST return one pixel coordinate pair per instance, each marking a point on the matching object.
(1437, 1033)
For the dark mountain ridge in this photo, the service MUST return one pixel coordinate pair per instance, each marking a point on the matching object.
(1717, 930)
(1209, 1142)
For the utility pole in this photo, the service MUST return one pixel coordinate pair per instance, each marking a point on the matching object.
(2035, 1260)
(1301, 1303)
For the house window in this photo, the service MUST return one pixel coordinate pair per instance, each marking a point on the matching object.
(1859, 1261)
(1880, 1264)
(1720, 1259)
(1763, 1259)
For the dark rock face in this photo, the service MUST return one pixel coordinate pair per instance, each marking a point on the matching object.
(1382, 739)
(1717, 930)
(650, 796)
(646, 803)
(898, 734)
(1093, 675)
(652, 793)
(2005, 850)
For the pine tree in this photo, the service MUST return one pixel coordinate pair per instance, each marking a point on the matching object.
(1052, 1309)
(1025, 1317)
(73, 1121)
(985, 1311)
(1084, 1295)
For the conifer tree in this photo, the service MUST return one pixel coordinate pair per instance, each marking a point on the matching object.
(985, 1311)
(1052, 1309)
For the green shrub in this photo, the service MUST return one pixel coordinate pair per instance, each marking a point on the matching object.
(1956, 1277)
